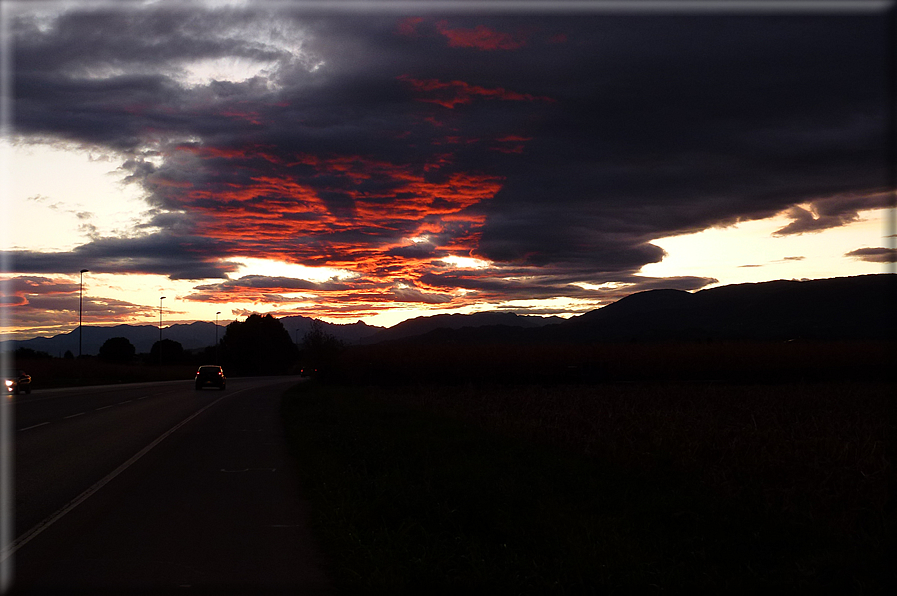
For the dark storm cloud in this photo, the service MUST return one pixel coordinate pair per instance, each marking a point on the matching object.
(874, 255)
(830, 213)
(282, 284)
(159, 254)
(545, 283)
(403, 293)
(558, 144)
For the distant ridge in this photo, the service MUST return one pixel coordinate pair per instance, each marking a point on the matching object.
(859, 307)
(844, 308)
(848, 308)
(423, 325)
(192, 336)
(348, 333)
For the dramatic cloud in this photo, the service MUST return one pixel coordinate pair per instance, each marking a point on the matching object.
(480, 37)
(552, 148)
(874, 255)
(831, 212)
(162, 254)
(449, 94)
(41, 303)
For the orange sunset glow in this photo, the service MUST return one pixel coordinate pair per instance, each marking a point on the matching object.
(380, 166)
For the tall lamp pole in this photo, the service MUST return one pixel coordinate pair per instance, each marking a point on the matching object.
(80, 308)
(160, 332)
(216, 336)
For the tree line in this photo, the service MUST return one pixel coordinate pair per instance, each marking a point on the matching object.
(260, 345)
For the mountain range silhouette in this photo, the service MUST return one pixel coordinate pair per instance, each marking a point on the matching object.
(842, 308)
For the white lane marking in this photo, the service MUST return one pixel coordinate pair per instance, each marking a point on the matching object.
(97, 409)
(9, 550)
(73, 415)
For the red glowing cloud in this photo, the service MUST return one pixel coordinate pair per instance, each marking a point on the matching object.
(451, 93)
(480, 37)
(408, 26)
(349, 212)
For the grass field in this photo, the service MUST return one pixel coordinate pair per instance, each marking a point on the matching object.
(602, 488)
(52, 373)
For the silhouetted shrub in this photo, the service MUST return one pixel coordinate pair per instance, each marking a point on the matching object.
(319, 349)
(172, 352)
(29, 354)
(257, 346)
(117, 349)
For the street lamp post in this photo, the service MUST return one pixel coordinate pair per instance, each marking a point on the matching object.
(216, 336)
(80, 308)
(160, 332)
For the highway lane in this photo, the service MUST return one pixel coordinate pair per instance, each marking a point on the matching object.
(65, 439)
(72, 442)
(46, 406)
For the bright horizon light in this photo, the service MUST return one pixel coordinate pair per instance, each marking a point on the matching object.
(275, 268)
(750, 252)
(377, 169)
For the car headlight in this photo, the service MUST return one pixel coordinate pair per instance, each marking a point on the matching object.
(9, 382)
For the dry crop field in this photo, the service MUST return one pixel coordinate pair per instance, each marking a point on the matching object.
(606, 486)
(453, 362)
(816, 452)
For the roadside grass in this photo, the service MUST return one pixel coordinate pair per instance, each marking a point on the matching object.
(527, 363)
(607, 488)
(53, 373)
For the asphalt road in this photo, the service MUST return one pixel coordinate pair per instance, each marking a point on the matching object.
(156, 488)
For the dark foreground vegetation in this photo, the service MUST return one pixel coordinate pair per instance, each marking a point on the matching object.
(257, 346)
(53, 373)
(583, 486)
(455, 360)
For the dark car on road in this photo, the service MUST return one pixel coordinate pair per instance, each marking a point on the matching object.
(210, 375)
(20, 381)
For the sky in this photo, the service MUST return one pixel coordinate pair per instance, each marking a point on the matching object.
(379, 161)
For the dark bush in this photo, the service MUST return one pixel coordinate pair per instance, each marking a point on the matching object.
(117, 349)
(29, 354)
(320, 350)
(257, 346)
(172, 352)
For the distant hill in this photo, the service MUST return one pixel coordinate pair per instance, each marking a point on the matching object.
(348, 333)
(425, 325)
(193, 335)
(197, 335)
(858, 307)
(844, 308)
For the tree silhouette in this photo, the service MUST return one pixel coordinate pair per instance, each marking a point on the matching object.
(172, 352)
(319, 349)
(257, 346)
(29, 354)
(117, 349)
